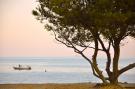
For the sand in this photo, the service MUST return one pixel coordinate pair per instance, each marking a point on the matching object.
(56, 86)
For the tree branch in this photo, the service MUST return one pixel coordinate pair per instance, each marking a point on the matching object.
(109, 46)
(60, 40)
(130, 66)
(108, 63)
(85, 48)
(102, 44)
(90, 47)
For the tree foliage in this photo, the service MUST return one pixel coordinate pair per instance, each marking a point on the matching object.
(78, 23)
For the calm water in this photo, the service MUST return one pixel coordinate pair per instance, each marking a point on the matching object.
(59, 70)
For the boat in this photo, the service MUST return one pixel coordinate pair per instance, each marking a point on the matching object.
(20, 67)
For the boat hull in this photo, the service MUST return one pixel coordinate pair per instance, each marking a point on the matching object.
(22, 68)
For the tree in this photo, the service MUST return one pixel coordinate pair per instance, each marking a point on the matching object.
(79, 24)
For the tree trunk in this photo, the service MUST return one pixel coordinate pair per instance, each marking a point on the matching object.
(95, 65)
(115, 73)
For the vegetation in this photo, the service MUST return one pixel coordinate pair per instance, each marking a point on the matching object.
(97, 25)
(112, 87)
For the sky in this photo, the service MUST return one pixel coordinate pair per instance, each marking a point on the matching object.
(21, 35)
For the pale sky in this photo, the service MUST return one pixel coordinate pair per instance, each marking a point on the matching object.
(21, 35)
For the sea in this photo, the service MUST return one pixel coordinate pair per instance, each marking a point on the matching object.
(56, 70)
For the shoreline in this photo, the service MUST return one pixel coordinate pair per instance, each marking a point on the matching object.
(58, 86)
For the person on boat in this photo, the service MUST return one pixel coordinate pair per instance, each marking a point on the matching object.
(19, 65)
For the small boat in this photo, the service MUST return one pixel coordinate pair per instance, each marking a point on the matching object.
(20, 67)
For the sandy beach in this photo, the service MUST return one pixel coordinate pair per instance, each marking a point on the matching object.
(57, 86)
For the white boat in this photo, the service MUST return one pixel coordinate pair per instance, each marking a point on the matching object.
(20, 67)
